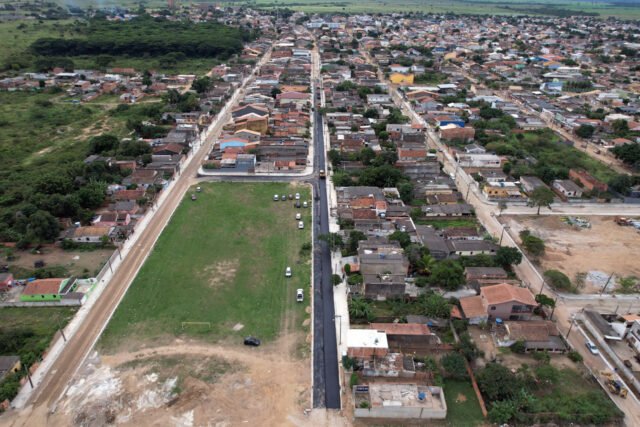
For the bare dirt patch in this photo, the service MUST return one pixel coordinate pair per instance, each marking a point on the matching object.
(221, 273)
(461, 398)
(605, 247)
(191, 384)
(78, 263)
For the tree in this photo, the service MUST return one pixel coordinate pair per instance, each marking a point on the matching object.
(497, 382)
(401, 237)
(405, 188)
(92, 195)
(507, 256)
(434, 305)
(558, 280)
(621, 183)
(336, 279)
(359, 308)
(103, 143)
(454, 366)
(103, 61)
(202, 84)
(43, 226)
(333, 239)
(627, 285)
(545, 301)
(532, 244)
(447, 274)
(355, 236)
(620, 127)
(541, 196)
(585, 131)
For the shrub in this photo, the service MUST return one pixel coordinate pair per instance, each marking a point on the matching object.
(454, 366)
(558, 281)
(518, 347)
(574, 356)
(353, 380)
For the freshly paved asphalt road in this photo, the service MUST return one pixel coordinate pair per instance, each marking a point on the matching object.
(326, 387)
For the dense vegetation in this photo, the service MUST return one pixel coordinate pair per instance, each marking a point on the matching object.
(543, 393)
(145, 36)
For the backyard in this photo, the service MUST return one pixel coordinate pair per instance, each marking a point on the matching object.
(218, 271)
(463, 409)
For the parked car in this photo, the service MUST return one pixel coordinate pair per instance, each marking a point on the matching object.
(276, 197)
(297, 204)
(592, 347)
(284, 197)
(198, 189)
(298, 216)
(193, 197)
(297, 196)
(252, 341)
(287, 272)
(290, 196)
(305, 204)
(299, 295)
(300, 225)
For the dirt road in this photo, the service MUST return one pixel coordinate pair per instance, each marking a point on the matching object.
(54, 383)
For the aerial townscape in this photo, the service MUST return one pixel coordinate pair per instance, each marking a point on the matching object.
(320, 213)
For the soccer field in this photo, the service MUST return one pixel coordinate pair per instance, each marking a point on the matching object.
(219, 264)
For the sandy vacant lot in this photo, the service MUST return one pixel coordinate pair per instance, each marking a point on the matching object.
(189, 383)
(605, 247)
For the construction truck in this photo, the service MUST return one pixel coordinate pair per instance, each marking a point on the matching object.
(615, 386)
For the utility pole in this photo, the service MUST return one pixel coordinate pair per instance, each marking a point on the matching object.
(606, 284)
(28, 375)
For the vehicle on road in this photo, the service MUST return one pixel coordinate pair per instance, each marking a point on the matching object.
(298, 216)
(252, 341)
(276, 197)
(300, 225)
(287, 272)
(299, 295)
(592, 347)
(323, 174)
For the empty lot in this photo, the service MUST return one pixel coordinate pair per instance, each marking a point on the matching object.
(605, 247)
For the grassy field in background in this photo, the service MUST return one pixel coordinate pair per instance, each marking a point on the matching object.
(448, 222)
(14, 41)
(482, 7)
(221, 259)
(463, 409)
(47, 126)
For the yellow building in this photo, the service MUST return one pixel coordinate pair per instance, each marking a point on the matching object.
(399, 78)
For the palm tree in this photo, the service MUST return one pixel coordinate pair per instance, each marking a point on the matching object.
(359, 308)
(428, 262)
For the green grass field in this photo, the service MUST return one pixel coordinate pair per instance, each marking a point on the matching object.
(463, 409)
(221, 259)
(477, 7)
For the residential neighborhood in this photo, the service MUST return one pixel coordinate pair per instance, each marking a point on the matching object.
(342, 218)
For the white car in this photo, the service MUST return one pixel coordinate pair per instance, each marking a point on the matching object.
(300, 225)
(287, 272)
(299, 295)
(305, 204)
(298, 216)
(297, 196)
(276, 197)
(592, 347)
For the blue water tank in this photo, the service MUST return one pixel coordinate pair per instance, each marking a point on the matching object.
(421, 395)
